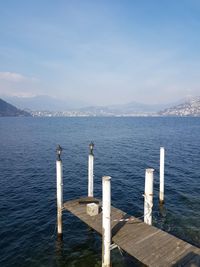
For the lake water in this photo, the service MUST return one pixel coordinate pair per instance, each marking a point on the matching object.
(124, 148)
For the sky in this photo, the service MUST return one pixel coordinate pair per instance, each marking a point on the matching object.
(100, 52)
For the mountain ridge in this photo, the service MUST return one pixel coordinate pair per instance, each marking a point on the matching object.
(43, 102)
(189, 108)
(47, 103)
(8, 110)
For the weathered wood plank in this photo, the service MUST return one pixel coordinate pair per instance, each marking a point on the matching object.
(148, 244)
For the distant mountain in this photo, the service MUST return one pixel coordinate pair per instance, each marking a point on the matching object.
(139, 107)
(190, 107)
(131, 109)
(43, 102)
(47, 103)
(43, 105)
(8, 110)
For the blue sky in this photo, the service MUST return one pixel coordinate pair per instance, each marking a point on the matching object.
(100, 52)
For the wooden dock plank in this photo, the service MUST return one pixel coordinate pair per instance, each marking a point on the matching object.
(150, 245)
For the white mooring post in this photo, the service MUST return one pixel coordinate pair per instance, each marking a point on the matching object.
(162, 169)
(106, 224)
(148, 196)
(91, 171)
(59, 176)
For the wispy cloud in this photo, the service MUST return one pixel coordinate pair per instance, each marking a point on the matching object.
(13, 84)
(15, 77)
(12, 77)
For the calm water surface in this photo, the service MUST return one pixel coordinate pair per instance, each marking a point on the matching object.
(124, 147)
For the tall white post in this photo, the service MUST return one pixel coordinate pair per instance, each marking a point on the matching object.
(148, 196)
(59, 175)
(106, 224)
(162, 169)
(91, 171)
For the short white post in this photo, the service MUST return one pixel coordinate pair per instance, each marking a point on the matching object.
(148, 196)
(162, 169)
(59, 175)
(91, 171)
(106, 224)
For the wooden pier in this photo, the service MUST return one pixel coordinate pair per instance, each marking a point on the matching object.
(148, 244)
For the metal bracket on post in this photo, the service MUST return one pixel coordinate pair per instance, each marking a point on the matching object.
(113, 246)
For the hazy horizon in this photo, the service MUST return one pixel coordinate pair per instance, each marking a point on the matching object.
(79, 104)
(100, 53)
